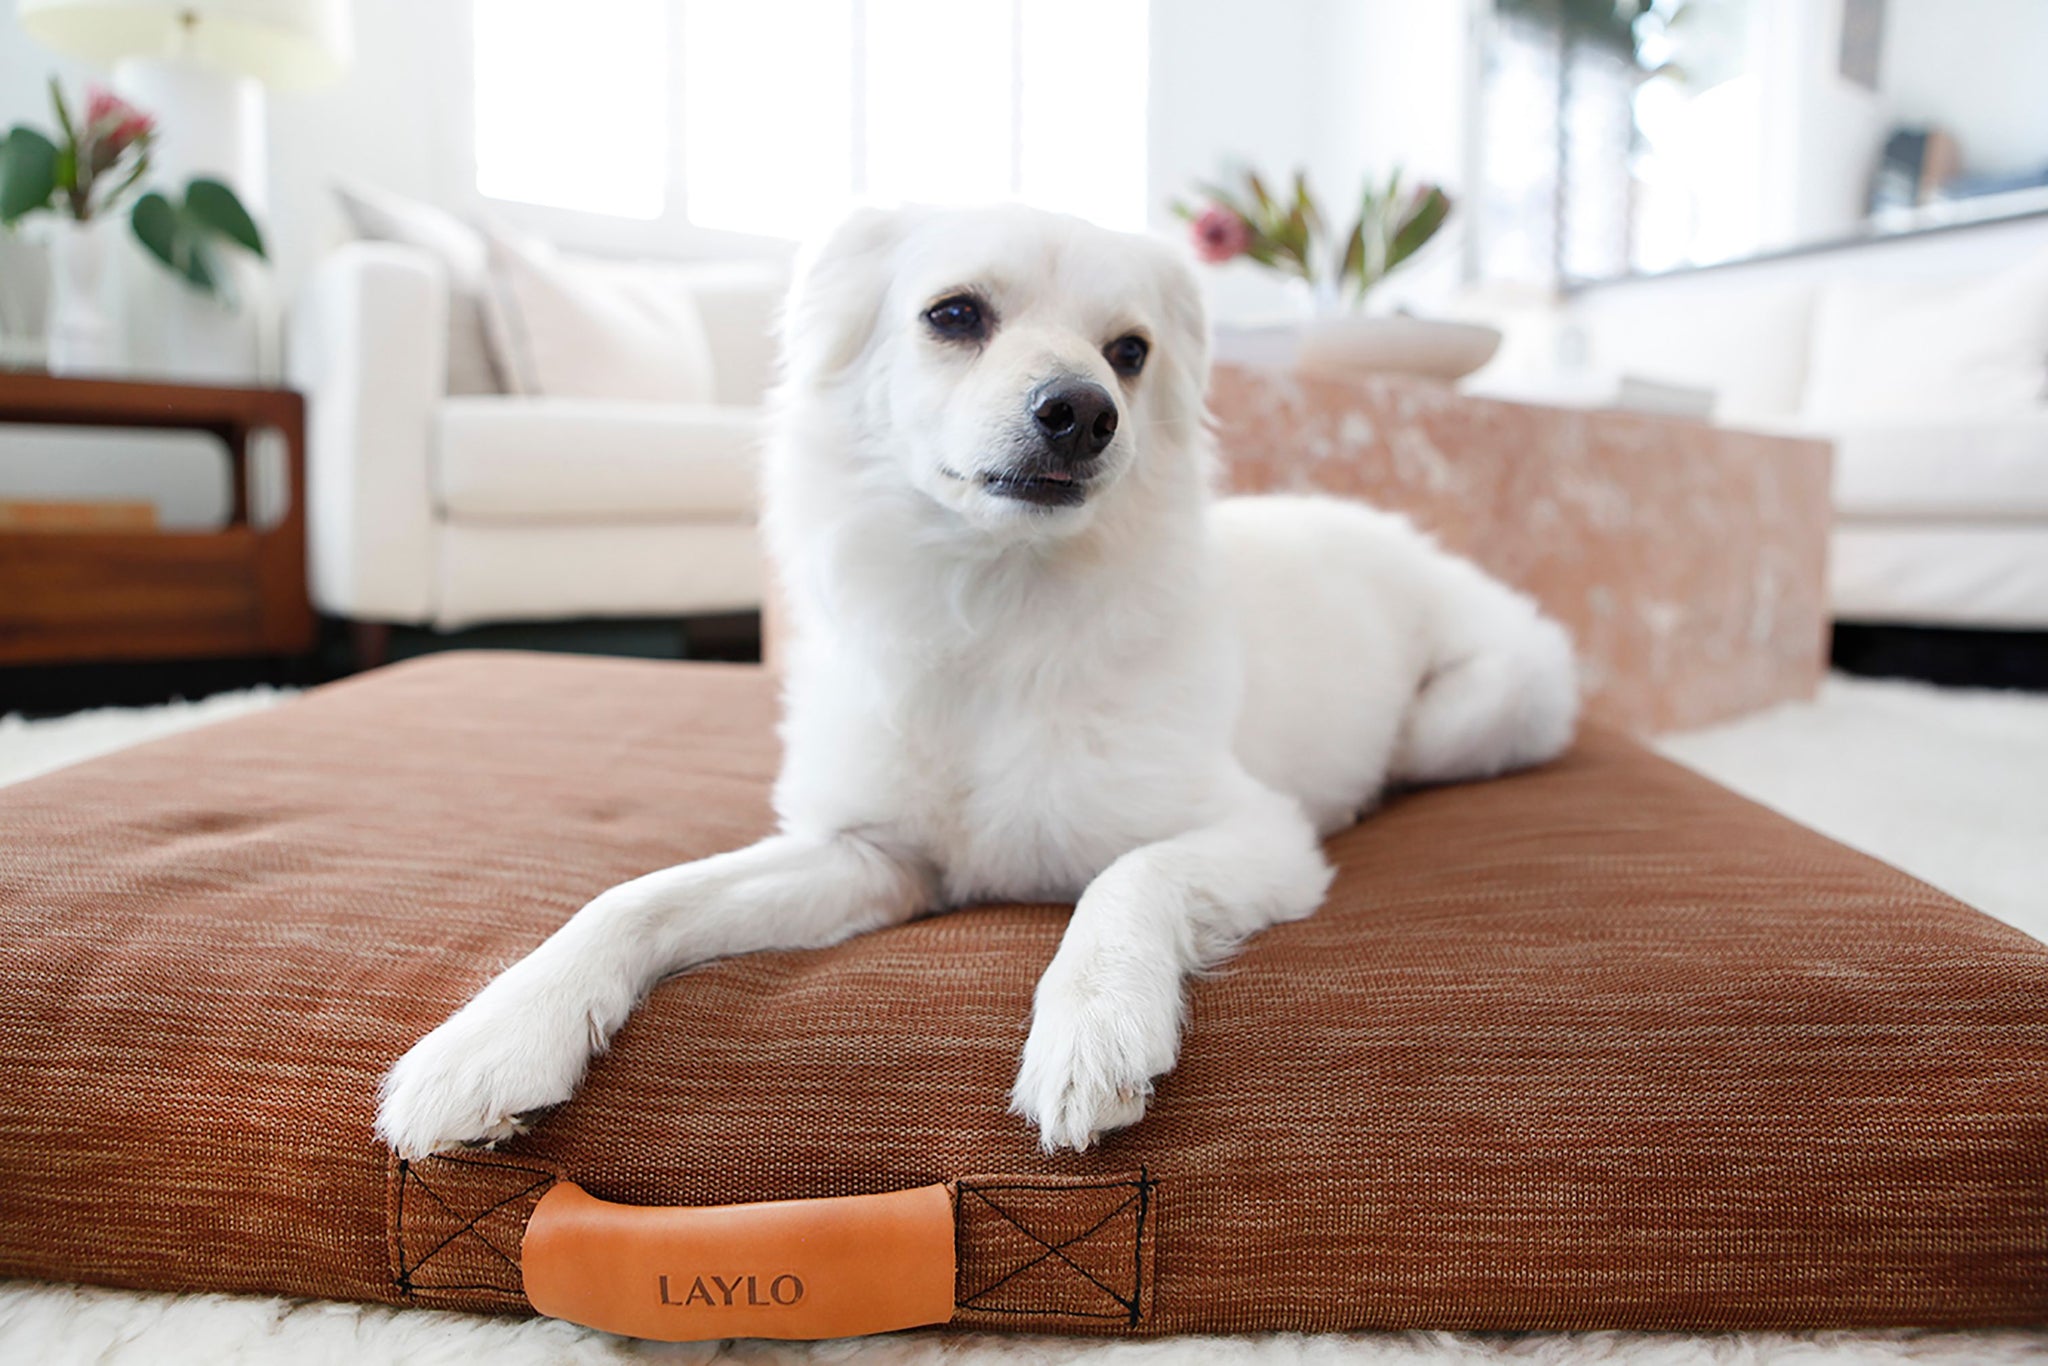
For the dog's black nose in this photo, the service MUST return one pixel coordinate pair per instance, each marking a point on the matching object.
(1077, 418)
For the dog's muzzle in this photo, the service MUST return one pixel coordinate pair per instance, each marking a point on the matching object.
(1058, 489)
(1074, 421)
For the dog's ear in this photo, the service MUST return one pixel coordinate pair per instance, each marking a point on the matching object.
(1186, 319)
(837, 296)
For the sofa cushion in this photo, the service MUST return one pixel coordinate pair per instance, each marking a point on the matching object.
(1888, 349)
(521, 572)
(580, 461)
(737, 299)
(1993, 469)
(1599, 1045)
(561, 330)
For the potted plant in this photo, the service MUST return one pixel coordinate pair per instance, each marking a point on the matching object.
(1290, 233)
(80, 178)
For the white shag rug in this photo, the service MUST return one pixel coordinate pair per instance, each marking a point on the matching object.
(1949, 785)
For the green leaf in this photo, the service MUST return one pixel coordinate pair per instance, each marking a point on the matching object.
(203, 270)
(1297, 233)
(1306, 208)
(1351, 265)
(28, 173)
(213, 206)
(183, 244)
(1419, 227)
(1258, 189)
(127, 183)
(155, 224)
(63, 114)
(1217, 194)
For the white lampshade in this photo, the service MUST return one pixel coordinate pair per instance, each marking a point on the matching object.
(286, 44)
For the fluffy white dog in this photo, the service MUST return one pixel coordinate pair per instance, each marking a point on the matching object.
(1033, 659)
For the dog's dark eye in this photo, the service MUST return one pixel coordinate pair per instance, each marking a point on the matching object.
(959, 318)
(1126, 355)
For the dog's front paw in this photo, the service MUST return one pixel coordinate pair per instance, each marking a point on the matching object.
(1091, 1056)
(476, 1077)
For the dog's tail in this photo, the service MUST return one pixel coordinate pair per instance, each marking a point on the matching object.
(1502, 691)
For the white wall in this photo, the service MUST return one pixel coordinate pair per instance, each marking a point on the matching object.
(24, 72)
(1343, 88)
(1976, 68)
(387, 121)
(1393, 87)
(1821, 134)
(1229, 83)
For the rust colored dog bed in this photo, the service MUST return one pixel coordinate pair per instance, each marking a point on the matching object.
(1597, 1046)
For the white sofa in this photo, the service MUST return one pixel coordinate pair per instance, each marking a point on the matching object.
(432, 510)
(1942, 524)
(1926, 363)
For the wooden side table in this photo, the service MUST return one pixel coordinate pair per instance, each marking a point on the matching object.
(110, 596)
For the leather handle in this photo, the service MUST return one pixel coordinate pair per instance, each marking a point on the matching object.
(782, 1269)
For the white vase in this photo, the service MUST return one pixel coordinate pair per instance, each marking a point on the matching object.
(1345, 344)
(177, 333)
(24, 295)
(1319, 299)
(83, 336)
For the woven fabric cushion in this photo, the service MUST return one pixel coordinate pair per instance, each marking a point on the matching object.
(1595, 1046)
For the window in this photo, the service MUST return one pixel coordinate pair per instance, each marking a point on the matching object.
(767, 95)
(1556, 196)
(790, 110)
(1610, 143)
(1081, 108)
(794, 108)
(572, 104)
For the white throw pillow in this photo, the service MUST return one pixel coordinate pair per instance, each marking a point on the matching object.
(1886, 349)
(570, 329)
(382, 216)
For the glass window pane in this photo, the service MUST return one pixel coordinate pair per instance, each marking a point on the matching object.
(939, 103)
(768, 114)
(572, 104)
(1083, 109)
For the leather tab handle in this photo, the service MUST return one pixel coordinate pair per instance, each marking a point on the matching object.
(782, 1269)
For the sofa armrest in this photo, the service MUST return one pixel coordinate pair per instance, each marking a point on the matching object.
(367, 345)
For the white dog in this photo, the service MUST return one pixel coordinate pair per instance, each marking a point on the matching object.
(1032, 659)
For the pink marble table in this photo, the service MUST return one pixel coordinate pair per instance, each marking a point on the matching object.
(1688, 560)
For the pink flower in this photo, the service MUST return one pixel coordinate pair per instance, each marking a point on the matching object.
(112, 124)
(1220, 235)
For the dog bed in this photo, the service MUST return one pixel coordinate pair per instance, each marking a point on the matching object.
(1595, 1046)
